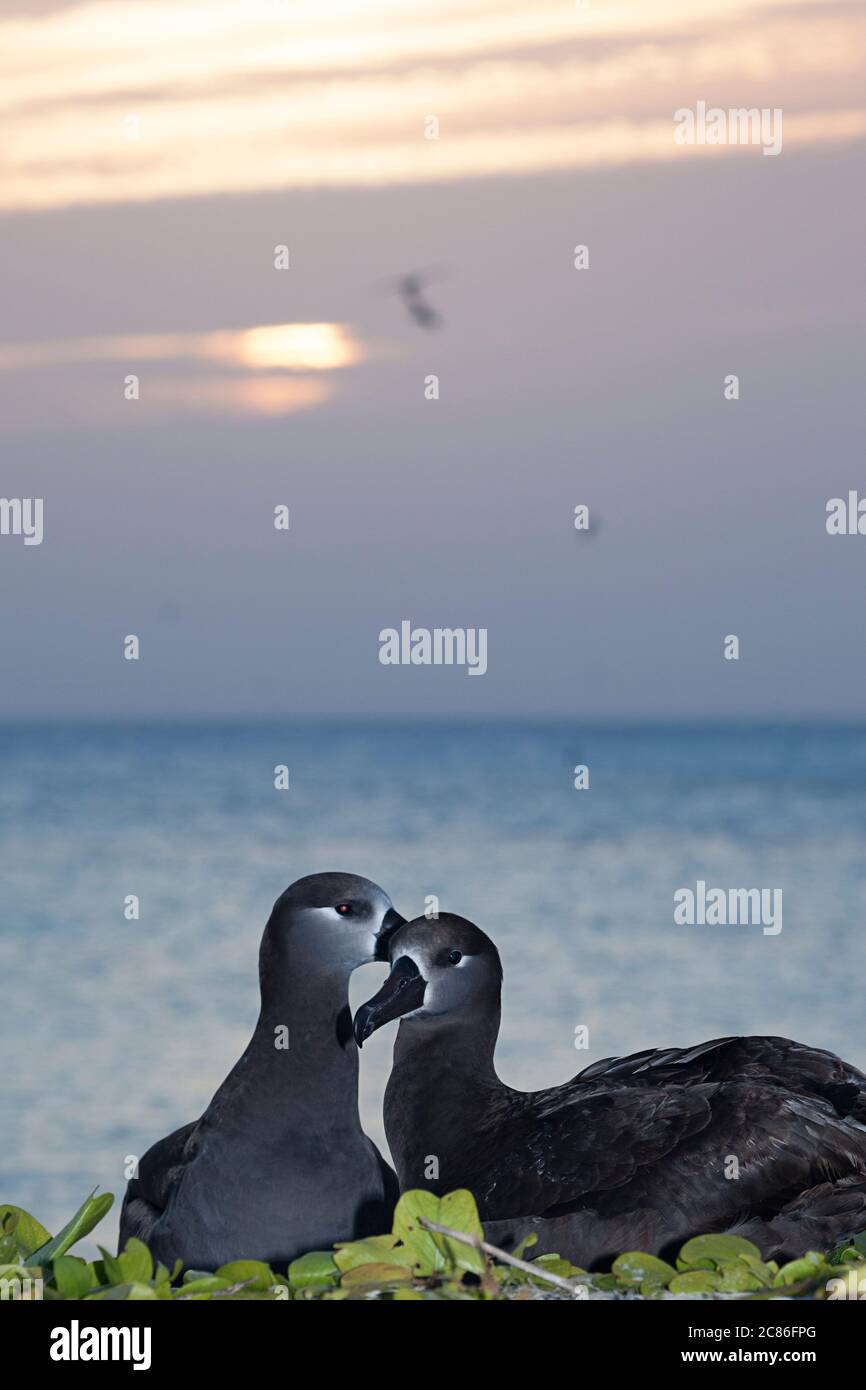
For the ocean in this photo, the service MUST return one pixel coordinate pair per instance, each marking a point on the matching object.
(117, 1031)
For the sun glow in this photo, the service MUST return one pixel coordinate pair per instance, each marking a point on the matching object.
(295, 347)
(313, 346)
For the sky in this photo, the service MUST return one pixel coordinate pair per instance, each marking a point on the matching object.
(159, 153)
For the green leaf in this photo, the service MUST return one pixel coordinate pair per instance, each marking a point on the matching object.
(763, 1272)
(73, 1278)
(851, 1250)
(635, 1268)
(318, 1267)
(207, 1283)
(429, 1254)
(808, 1267)
(259, 1275)
(605, 1282)
(136, 1262)
(89, 1214)
(138, 1292)
(28, 1233)
(718, 1250)
(373, 1250)
(519, 1251)
(843, 1254)
(738, 1278)
(458, 1210)
(376, 1274)
(695, 1281)
(555, 1264)
(111, 1267)
(649, 1289)
(10, 1250)
(124, 1293)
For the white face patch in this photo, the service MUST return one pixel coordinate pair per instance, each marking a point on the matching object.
(438, 998)
(417, 957)
(361, 934)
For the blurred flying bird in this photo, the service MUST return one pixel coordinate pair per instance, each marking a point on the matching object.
(411, 289)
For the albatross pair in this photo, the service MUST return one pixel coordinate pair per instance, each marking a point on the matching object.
(633, 1153)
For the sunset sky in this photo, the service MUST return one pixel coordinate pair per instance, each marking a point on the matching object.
(130, 101)
(157, 153)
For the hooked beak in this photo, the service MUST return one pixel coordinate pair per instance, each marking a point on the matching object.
(391, 922)
(402, 992)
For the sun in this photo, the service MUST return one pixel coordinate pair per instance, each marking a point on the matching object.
(308, 346)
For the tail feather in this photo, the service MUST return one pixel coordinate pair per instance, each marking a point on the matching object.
(818, 1219)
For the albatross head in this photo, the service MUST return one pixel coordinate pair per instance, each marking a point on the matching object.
(438, 968)
(342, 918)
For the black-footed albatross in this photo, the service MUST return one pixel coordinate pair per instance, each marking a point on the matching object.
(278, 1163)
(758, 1136)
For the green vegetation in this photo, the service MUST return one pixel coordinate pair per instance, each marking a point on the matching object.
(433, 1252)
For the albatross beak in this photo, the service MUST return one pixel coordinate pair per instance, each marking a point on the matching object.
(391, 922)
(402, 992)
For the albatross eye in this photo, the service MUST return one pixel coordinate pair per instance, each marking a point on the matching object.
(344, 909)
(455, 957)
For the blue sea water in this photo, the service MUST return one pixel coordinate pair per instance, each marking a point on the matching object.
(115, 1032)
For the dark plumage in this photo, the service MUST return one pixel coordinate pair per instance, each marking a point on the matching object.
(278, 1164)
(634, 1152)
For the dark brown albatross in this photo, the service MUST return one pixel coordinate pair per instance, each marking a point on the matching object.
(636, 1152)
